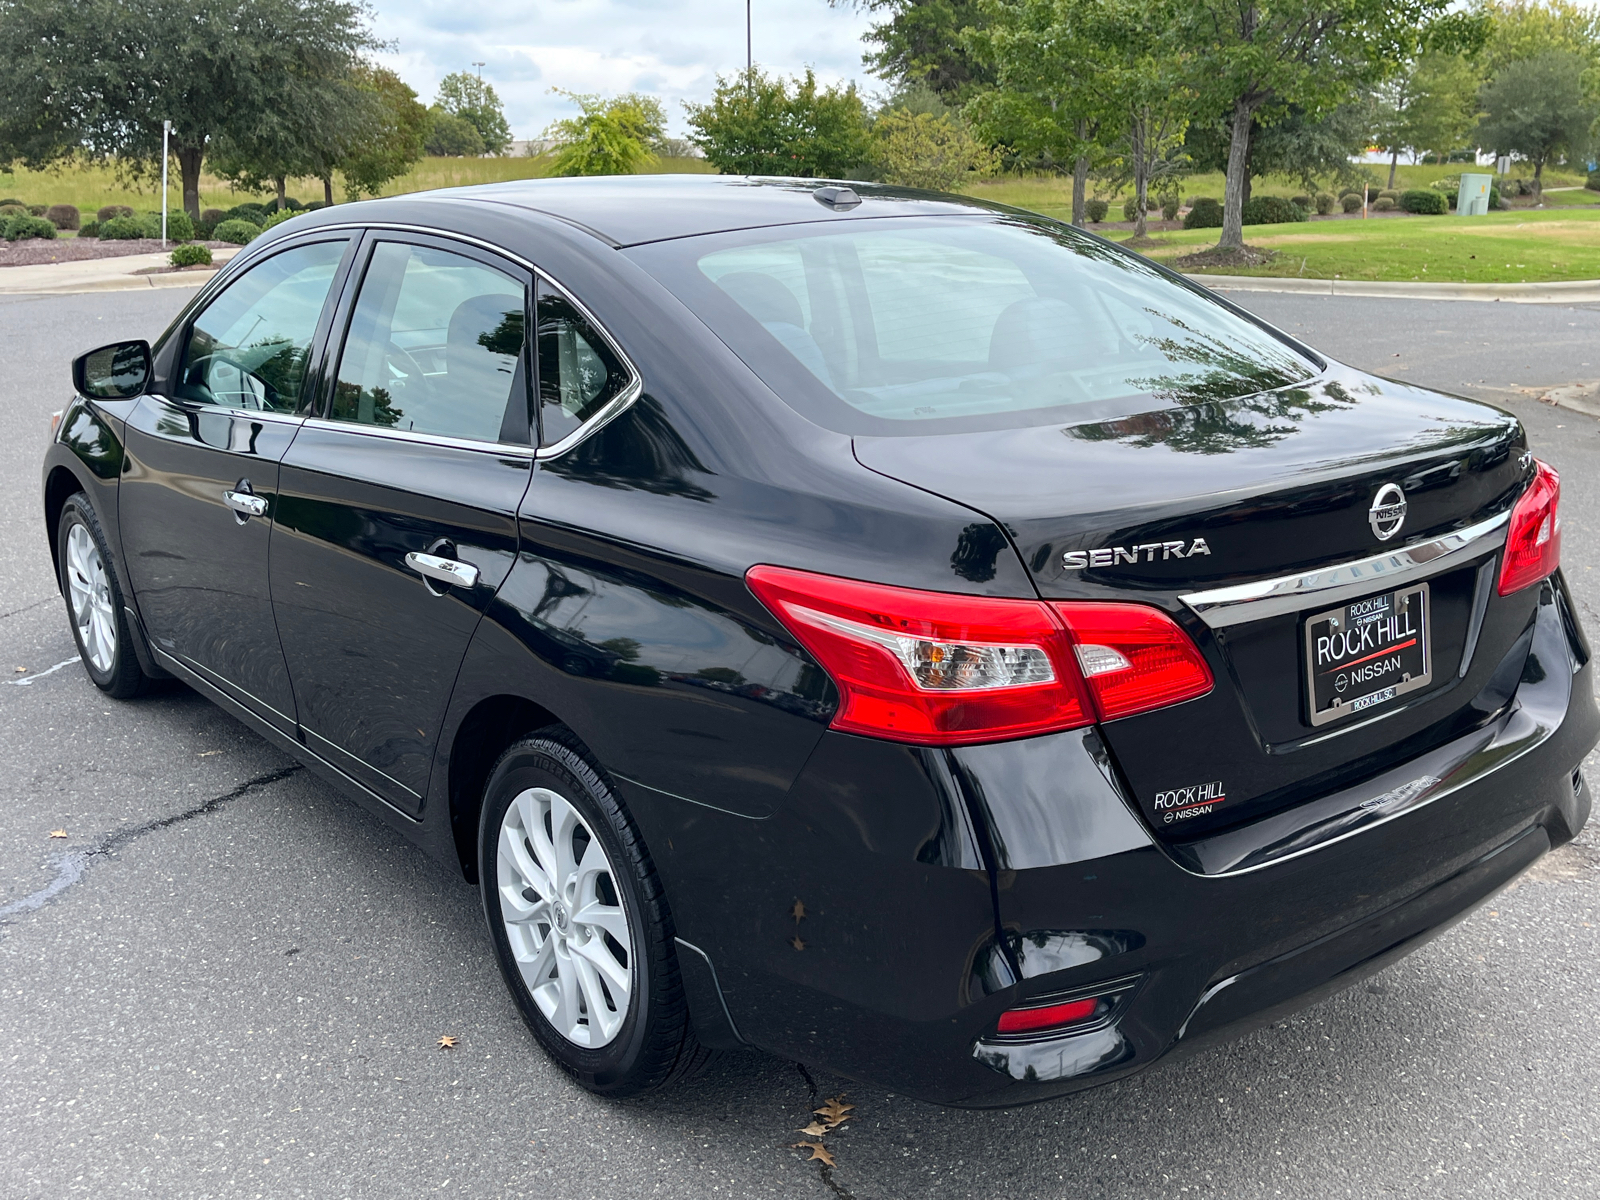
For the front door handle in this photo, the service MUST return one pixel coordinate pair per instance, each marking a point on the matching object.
(245, 504)
(445, 570)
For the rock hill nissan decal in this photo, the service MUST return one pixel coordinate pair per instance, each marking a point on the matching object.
(1112, 556)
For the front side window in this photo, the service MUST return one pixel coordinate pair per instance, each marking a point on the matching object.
(578, 372)
(964, 322)
(251, 346)
(435, 346)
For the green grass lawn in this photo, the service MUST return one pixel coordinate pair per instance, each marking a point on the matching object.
(1524, 246)
(91, 186)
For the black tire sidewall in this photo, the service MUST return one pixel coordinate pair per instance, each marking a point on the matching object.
(542, 762)
(124, 674)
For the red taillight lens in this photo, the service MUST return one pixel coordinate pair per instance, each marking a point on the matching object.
(1051, 1016)
(1533, 545)
(938, 669)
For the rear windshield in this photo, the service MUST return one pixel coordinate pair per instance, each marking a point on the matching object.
(885, 326)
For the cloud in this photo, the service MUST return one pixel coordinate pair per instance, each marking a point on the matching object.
(671, 50)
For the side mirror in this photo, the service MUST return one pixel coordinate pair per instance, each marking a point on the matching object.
(119, 371)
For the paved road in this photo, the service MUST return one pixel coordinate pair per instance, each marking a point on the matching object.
(237, 987)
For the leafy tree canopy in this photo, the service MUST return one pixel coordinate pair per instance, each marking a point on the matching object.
(918, 149)
(1539, 108)
(761, 125)
(921, 41)
(448, 136)
(467, 96)
(1520, 29)
(391, 136)
(609, 136)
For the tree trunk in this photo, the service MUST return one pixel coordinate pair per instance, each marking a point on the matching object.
(189, 159)
(1394, 158)
(327, 190)
(1139, 142)
(1233, 194)
(1080, 178)
(283, 192)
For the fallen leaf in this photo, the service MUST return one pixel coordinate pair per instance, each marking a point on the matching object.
(209, 753)
(58, 833)
(815, 1129)
(797, 943)
(22, 670)
(798, 912)
(447, 1042)
(819, 1153)
(833, 1111)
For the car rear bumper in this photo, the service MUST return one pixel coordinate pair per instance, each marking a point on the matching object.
(898, 970)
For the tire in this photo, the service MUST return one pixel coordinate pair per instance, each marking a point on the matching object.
(567, 975)
(93, 594)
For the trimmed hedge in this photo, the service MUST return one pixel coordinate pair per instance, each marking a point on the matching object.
(1169, 207)
(254, 213)
(112, 210)
(1325, 202)
(1350, 202)
(237, 231)
(63, 216)
(1304, 201)
(13, 210)
(89, 229)
(1272, 210)
(3, 203)
(278, 218)
(1204, 213)
(1594, 181)
(1130, 209)
(1094, 211)
(1425, 201)
(14, 229)
(1383, 204)
(191, 256)
(120, 229)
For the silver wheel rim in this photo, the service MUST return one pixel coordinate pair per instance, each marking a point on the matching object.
(563, 916)
(89, 593)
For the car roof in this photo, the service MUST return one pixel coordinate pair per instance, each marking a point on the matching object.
(626, 210)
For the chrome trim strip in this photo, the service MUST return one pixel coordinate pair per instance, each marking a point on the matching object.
(1240, 603)
(518, 450)
(614, 408)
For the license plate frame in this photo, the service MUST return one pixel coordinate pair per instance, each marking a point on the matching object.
(1354, 682)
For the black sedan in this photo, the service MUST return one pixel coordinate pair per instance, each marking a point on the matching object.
(902, 633)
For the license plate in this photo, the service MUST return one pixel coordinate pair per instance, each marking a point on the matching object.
(1363, 654)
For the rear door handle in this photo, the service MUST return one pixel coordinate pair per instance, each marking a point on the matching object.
(445, 570)
(245, 504)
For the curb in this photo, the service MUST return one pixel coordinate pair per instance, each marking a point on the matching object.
(1573, 291)
(101, 275)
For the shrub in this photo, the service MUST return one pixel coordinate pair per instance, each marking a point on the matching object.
(37, 210)
(254, 213)
(1350, 202)
(1204, 213)
(1324, 202)
(1383, 204)
(112, 210)
(28, 226)
(1450, 185)
(191, 256)
(316, 204)
(1594, 181)
(1272, 210)
(1424, 201)
(120, 229)
(212, 216)
(237, 231)
(1494, 196)
(3, 203)
(13, 210)
(1303, 201)
(1169, 207)
(63, 216)
(180, 227)
(1095, 211)
(1130, 209)
(1390, 194)
(89, 229)
(290, 204)
(277, 218)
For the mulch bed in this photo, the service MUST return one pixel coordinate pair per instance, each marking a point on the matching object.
(1234, 256)
(34, 251)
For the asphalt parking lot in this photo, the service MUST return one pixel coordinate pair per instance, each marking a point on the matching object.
(227, 981)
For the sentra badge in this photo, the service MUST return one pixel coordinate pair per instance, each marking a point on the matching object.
(1116, 556)
(1196, 800)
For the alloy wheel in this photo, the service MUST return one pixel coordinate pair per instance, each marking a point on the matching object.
(89, 589)
(564, 918)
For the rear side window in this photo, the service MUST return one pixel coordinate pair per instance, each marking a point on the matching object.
(968, 321)
(579, 373)
(435, 346)
(250, 348)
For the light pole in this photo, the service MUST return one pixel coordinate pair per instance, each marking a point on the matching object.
(749, 58)
(480, 67)
(166, 132)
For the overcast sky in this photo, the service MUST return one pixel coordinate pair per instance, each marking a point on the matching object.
(673, 49)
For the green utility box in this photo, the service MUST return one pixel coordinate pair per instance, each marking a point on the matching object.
(1473, 198)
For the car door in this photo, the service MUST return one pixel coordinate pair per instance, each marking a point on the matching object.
(201, 474)
(397, 503)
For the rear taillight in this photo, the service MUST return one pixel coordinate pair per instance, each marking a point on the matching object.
(938, 669)
(1533, 545)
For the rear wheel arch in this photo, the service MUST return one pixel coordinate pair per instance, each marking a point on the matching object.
(491, 727)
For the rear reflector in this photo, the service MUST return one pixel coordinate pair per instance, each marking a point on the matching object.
(938, 669)
(1533, 544)
(1051, 1016)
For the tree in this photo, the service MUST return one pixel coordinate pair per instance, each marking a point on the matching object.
(1050, 103)
(101, 76)
(1538, 107)
(448, 136)
(607, 137)
(756, 125)
(918, 149)
(474, 101)
(1525, 28)
(921, 42)
(1258, 57)
(390, 139)
(1431, 105)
